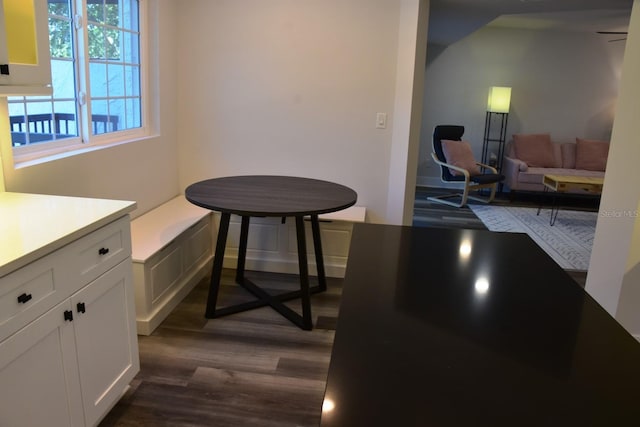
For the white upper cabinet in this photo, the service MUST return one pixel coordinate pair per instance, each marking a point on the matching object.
(25, 67)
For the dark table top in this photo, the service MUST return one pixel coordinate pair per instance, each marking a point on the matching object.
(267, 195)
(429, 336)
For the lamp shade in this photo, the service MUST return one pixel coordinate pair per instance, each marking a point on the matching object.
(499, 99)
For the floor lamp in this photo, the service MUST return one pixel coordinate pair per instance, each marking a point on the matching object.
(497, 114)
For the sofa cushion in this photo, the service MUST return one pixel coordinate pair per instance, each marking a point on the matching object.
(458, 153)
(568, 155)
(591, 155)
(536, 150)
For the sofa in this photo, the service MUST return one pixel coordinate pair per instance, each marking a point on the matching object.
(528, 157)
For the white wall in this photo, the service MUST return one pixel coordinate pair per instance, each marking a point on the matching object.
(563, 83)
(291, 87)
(145, 171)
(614, 270)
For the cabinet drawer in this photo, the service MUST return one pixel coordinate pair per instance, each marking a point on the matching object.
(30, 291)
(101, 250)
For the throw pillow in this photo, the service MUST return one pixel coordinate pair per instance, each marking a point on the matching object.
(591, 155)
(458, 153)
(536, 150)
(568, 155)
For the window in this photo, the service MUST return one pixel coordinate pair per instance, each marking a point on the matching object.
(95, 70)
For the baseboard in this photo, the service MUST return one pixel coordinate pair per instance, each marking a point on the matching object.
(177, 294)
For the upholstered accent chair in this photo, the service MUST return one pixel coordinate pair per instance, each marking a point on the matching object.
(457, 165)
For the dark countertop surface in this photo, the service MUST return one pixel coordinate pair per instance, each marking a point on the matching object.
(444, 327)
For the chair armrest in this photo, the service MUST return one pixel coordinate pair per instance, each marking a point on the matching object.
(511, 168)
(456, 168)
(485, 166)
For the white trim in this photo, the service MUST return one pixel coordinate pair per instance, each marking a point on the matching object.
(45, 156)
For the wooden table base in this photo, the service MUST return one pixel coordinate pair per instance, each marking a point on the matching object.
(303, 321)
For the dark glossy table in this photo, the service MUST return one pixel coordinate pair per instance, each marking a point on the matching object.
(269, 196)
(443, 327)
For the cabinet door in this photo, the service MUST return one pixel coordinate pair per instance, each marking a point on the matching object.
(39, 381)
(24, 47)
(106, 340)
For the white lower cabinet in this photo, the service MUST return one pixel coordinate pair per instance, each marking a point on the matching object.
(71, 364)
(38, 374)
(106, 340)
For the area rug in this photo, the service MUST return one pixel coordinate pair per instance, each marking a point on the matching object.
(568, 241)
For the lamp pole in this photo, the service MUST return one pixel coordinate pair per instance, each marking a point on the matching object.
(498, 106)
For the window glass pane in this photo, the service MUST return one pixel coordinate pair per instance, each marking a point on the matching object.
(98, 73)
(62, 77)
(118, 84)
(131, 48)
(60, 44)
(116, 114)
(115, 75)
(95, 11)
(112, 14)
(132, 81)
(65, 119)
(59, 7)
(133, 113)
(96, 42)
(130, 14)
(40, 122)
(17, 122)
(99, 117)
(112, 44)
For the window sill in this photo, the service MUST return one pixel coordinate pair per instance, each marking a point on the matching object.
(44, 156)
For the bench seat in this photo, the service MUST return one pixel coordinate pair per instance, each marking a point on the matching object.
(171, 252)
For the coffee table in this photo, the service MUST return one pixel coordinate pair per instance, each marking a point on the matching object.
(566, 183)
(269, 196)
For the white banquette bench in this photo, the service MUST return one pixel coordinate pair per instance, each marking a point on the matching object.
(172, 250)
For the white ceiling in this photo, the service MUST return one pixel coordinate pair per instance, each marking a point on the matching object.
(450, 20)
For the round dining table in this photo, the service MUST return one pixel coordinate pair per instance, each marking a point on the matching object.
(269, 196)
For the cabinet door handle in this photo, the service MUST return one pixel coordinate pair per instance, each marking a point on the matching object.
(22, 299)
(68, 315)
(103, 251)
(81, 308)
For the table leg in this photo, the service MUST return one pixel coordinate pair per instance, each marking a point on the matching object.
(544, 190)
(555, 207)
(242, 249)
(216, 271)
(305, 296)
(317, 248)
(303, 321)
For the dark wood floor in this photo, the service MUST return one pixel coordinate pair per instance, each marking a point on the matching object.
(248, 369)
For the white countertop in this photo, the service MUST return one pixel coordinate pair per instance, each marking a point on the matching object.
(33, 225)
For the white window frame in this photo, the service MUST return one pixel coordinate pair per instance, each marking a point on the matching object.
(37, 153)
